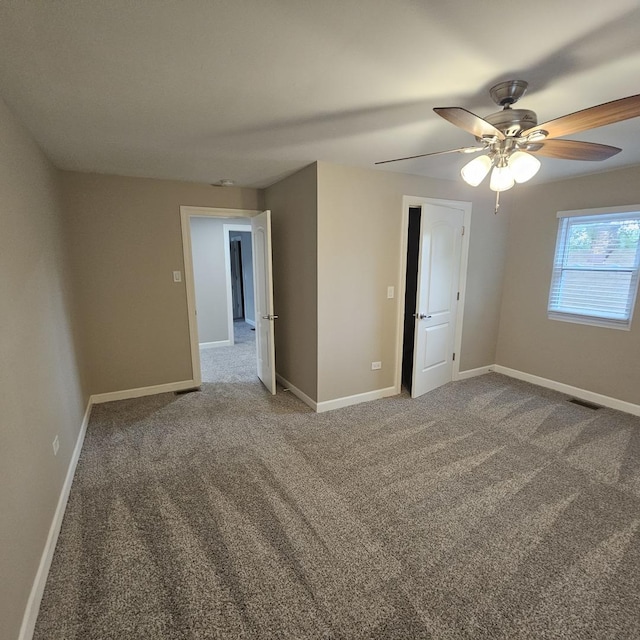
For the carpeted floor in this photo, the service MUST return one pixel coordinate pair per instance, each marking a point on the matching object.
(232, 364)
(488, 509)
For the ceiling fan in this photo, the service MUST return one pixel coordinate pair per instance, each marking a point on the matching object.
(512, 138)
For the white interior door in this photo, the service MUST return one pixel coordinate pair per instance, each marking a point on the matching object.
(437, 300)
(263, 287)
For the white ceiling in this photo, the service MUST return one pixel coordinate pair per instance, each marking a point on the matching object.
(252, 90)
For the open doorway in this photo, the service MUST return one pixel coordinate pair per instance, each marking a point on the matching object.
(410, 296)
(224, 296)
(222, 276)
(237, 286)
(240, 275)
(229, 290)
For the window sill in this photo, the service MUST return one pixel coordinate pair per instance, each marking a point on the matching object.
(624, 325)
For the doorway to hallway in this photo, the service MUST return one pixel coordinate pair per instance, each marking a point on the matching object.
(211, 294)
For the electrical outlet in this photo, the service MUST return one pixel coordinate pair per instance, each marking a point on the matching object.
(376, 365)
(56, 446)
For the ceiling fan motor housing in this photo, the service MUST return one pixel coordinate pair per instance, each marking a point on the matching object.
(512, 121)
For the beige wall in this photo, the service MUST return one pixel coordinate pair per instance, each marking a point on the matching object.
(359, 227)
(42, 391)
(126, 242)
(293, 202)
(597, 359)
(209, 275)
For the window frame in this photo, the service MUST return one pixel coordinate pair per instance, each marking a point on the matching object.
(597, 320)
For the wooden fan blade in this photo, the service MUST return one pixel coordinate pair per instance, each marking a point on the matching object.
(469, 122)
(435, 153)
(572, 150)
(591, 118)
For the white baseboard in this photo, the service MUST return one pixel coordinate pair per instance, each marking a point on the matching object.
(250, 322)
(143, 391)
(472, 373)
(217, 343)
(297, 392)
(37, 590)
(339, 403)
(576, 392)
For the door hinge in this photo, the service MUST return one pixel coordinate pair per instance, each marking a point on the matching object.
(458, 298)
(462, 229)
(454, 357)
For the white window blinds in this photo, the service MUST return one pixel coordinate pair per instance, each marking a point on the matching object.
(595, 270)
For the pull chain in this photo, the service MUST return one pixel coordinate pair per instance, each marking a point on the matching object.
(497, 202)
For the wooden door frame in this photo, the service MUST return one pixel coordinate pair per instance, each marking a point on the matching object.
(186, 213)
(418, 201)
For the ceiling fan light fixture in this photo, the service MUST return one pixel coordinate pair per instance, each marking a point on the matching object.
(501, 178)
(523, 166)
(537, 136)
(474, 172)
(509, 137)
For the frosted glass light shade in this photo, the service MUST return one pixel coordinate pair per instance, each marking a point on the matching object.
(501, 179)
(474, 172)
(523, 166)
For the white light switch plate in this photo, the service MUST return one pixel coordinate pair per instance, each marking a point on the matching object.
(391, 292)
(177, 276)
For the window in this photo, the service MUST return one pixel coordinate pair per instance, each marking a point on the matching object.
(595, 270)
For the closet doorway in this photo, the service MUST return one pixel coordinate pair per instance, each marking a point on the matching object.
(434, 254)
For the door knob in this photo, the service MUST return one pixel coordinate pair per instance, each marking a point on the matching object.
(269, 317)
(421, 316)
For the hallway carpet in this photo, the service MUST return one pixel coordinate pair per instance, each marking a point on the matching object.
(231, 364)
(489, 508)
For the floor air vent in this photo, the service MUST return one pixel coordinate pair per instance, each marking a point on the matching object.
(584, 403)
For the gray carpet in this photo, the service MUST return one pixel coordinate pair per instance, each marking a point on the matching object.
(488, 509)
(231, 364)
